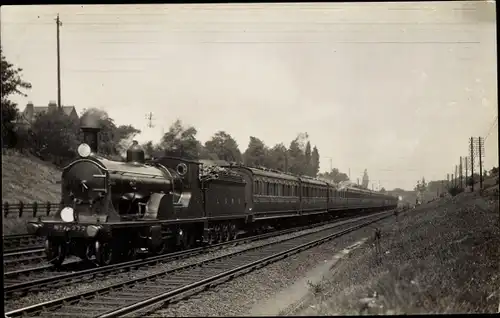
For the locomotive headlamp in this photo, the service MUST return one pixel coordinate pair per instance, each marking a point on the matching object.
(67, 214)
(84, 150)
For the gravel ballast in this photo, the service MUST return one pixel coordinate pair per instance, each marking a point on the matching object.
(92, 283)
(245, 294)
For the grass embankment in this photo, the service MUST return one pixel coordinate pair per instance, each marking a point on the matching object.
(28, 179)
(442, 257)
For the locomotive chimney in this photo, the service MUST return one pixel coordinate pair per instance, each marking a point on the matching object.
(89, 125)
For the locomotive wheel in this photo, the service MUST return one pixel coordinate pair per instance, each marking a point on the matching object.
(162, 248)
(189, 241)
(221, 234)
(233, 231)
(55, 251)
(216, 234)
(103, 253)
(212, 236)
(226, 233)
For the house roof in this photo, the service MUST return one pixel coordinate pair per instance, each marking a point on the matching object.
(41, 109)
(28, 116)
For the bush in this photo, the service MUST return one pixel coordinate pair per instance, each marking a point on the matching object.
(55, 137)
(453, 191)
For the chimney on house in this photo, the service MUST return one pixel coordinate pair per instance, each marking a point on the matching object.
(52, 105)
(29, 112)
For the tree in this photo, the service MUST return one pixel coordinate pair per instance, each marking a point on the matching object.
(181, 141)
(123, 137)
(315, 162)
(55, 136)
(421, 185)
(224, 146)
(308, 159)
(366, 180)
(494, 171)
(152, 150)
(382, 190)
(278, 157)
(296, 155)
(335, 176)
(12, 84)
(256, 153)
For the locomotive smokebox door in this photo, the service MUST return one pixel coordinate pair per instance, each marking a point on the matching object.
(156, 237)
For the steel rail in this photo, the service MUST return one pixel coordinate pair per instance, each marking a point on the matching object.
(183, 279)
(20, 243)
(30, 283)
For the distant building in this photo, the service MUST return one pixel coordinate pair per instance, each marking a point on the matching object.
(29, 114)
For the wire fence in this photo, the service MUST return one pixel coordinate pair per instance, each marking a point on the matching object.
(34, 209)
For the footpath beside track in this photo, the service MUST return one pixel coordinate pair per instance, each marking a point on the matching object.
(136, 295)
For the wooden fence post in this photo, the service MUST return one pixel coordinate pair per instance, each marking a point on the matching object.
(35, 208)
(5, 209)
(21, 208)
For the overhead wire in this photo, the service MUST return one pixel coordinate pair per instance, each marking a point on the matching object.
(495, 122)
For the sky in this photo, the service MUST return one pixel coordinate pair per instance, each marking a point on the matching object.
(394, 88)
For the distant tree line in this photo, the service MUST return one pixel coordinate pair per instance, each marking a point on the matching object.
(54, 136)
(298, 158)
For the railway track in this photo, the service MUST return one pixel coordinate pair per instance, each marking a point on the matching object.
(40, 278)
(164, 285)
(23, 258)
(21, 243)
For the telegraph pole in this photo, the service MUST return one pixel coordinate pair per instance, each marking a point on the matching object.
(149, 117)
(466, 170)
(58, 24)
(480, 166)
(461, 176)
(472, 163)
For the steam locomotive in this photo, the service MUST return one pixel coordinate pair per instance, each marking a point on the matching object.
(112, 210)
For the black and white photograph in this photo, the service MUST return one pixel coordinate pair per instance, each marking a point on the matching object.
(250, 159)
